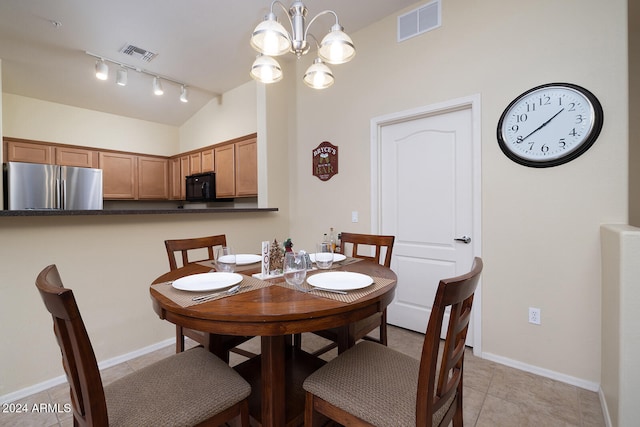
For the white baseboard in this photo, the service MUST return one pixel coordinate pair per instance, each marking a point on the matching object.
(578, 382)
(45, 385)
(605, 409)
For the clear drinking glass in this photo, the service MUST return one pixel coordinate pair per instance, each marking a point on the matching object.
(324, 255)
(294, 268)
(225, 259)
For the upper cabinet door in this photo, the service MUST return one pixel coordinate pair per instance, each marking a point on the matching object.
(153, 178)
(208, 160)
(80, 157)
(225, 171)
(119, 175)
(247, 168)
(18, 151)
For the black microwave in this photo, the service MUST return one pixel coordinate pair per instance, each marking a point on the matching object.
(201, 187)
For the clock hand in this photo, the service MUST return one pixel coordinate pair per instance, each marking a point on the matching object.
(542, 125)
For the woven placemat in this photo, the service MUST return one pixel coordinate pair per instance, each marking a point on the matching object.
(351, 296)
(185, 298)
(239, 268)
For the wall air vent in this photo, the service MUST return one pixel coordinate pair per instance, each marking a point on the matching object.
(136, 52)
(420, 20)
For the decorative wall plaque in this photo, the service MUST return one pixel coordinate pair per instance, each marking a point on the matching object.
(325, 161)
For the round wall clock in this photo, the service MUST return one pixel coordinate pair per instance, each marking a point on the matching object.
(550, 125)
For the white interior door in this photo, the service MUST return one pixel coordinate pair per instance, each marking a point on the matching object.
(426, 199)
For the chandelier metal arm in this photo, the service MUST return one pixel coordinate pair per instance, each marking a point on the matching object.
(324, 12)
(284, 8)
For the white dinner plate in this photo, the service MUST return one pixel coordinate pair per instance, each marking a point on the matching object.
(340, 280)
(336, 257)
(244, 259)
(207, 281)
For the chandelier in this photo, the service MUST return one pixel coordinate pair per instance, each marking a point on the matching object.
(270, 38)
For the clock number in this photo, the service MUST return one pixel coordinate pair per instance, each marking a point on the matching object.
(572, 106)
(519, 140)
(562, 143)
(521, 117)
(515, 128)
(579, 119)
(544, 148)
(545, 100)
(573, 132)
(531, 107)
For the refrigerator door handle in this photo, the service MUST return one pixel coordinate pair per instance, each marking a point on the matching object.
(63, 199)
(58, 193)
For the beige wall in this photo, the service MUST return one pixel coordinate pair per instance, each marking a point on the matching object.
(540, 227)
(109, 261)
(225, 117)
(634, 113)
(39, 120)
(620, 323)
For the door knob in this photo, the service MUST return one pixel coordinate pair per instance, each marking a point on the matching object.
(463, 239)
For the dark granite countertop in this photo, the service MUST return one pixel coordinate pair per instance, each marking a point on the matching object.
(57, 212)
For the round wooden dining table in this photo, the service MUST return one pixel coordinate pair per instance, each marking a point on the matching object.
(275, 313)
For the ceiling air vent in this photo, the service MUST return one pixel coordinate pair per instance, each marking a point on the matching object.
(136, 52)
(420, 20)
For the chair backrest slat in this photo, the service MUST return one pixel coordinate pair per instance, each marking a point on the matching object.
(185, 245)
(436, 387)
(356, 240)
(78, 358)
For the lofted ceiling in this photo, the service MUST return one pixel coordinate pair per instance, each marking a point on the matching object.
(203, 43)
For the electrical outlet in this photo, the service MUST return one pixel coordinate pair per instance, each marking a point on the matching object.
(534, 315)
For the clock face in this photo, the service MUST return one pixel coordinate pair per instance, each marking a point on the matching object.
(550, 125)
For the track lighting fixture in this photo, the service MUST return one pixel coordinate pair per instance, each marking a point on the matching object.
(183, 94)
(102, 70)
(157, 86)
(122, 77)
(102, 73)
(270, 38)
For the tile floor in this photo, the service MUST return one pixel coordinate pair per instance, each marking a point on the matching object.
(495, 395)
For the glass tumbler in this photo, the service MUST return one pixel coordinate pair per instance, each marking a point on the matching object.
(225, 259)
(294, 268)
(324, 255)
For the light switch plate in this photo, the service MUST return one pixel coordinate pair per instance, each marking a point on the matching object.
(354, 216)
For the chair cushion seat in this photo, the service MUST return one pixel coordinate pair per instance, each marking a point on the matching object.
(373, 382)
(181, 390)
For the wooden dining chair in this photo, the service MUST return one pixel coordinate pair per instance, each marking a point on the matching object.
(189, 388)
(373, 385)
(182, 248)
(374, 248)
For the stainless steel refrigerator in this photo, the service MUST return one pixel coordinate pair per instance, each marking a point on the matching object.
(36, 186)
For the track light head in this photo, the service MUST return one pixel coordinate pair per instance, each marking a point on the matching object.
(157, 86)
(183, 94)
(102, 70)
(122, 77)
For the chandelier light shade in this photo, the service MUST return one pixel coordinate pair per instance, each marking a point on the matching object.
(266, 69)
(157, 86)
(318, 75)
(270, 38)
(102, 70)
(336, 47)
(122, 77)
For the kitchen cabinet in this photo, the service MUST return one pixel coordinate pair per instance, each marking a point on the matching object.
(236, 169)
(80, 157)
(153, 178)
(178, 170)
(195, 163)
(225, 171)
(208, 160)
(246, 172)
(21, 151)
(119, 175)
(49, 154)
